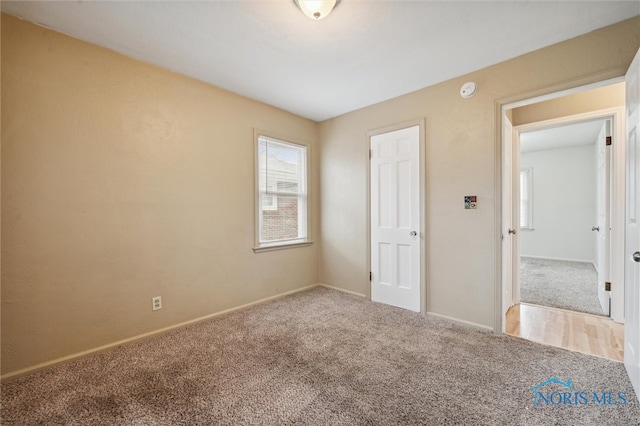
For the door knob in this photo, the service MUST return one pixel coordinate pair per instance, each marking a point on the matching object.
(413, 233)
(512, 231)
(636, 256)
(595, 228)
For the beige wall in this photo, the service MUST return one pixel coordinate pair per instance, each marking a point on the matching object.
(462, 159)
(122, 181)
(578, 103)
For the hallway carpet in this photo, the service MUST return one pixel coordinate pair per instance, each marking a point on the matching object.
(560, 284)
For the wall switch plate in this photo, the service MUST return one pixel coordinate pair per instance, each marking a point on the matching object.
(471, 202)
(156, 303)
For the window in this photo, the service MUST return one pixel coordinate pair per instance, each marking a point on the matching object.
(282, 193)
(526, 198)
(269, 202)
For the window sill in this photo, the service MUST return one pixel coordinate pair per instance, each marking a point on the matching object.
(281, 246)
(528, 229)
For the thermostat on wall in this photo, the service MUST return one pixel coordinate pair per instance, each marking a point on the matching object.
(471, 202)
(468, 89)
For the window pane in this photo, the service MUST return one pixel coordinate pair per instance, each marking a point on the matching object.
(281, 191)
(282, 168)
(526, 205)
(262, 166)
(523, 204)
(269, 202)
(280, 223)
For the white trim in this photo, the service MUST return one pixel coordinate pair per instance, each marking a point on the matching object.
(281, 246)
(502, 106)
(342, 290)
(461, 322)
(562, 259)
(528, 172)
(143, 336)
(585, 116)
(503, 292)
(617, 115)
(274, 202)
(304, 214)
(617, 220)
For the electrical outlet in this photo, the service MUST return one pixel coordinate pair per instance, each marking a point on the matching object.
(156, 303)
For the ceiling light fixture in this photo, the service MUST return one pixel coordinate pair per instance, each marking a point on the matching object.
(316, 9)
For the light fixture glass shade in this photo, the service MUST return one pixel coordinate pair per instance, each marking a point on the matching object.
(316, 9)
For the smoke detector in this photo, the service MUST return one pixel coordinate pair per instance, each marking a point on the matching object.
(468, 89)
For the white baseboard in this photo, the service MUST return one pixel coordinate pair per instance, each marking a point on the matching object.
(462, 322)
(564, 259)
(103, 348)
(454, 320)
(139, 337)
(342, 290)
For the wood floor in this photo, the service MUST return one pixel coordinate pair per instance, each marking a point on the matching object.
(590, 334)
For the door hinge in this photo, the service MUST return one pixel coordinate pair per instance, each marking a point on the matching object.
(609, 141)
(607, 286)
(370, 276)
(370, 154)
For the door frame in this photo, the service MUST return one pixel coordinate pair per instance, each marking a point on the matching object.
(616, 244)
(509, 251)
(422, 190)
(502, 108)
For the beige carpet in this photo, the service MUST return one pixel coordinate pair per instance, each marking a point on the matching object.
(560, 284)
(320, 358)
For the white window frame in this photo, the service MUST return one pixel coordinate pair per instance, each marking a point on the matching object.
(303, 238)
(526, 204)
(274, 202)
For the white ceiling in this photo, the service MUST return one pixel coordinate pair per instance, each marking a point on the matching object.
(363, 53)
(584, 133)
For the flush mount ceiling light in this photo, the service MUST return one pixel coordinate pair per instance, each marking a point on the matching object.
(316, 9)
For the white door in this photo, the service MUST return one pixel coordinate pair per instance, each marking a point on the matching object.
(395, 218)
(603, 220)
(632, 229)
(507, 215)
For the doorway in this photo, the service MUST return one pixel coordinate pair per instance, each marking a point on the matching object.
(593, 240)
(564, 215)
